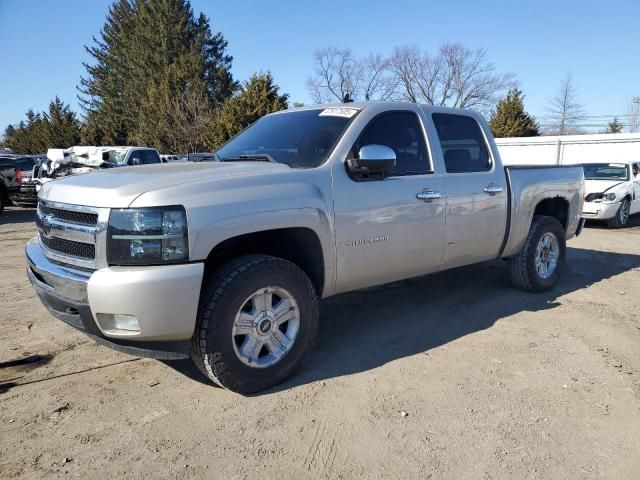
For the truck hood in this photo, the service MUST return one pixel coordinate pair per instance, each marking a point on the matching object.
(119, 187)
(601, 186)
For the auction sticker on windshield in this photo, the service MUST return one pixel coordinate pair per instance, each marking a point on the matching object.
(338, 112)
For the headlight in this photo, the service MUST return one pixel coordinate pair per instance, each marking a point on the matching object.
(610, 197)
(147, 236)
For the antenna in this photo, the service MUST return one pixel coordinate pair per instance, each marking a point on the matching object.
(347, 98)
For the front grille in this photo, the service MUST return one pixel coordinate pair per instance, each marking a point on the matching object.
(73, 234)
(69, 247)
(82, 218)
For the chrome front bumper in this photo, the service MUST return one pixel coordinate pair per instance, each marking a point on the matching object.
(164, 300)
(67, 282)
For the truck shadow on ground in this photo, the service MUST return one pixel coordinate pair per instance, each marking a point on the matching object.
(362, 330)
(14, 369)
(17, 215)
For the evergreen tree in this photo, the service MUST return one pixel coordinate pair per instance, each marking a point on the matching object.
(615, 126)
(102, 91)
(9, 132)
(57, 128)
(149, 52)
(509, 119)
(27, 137)
(257, 97)
(61, 129)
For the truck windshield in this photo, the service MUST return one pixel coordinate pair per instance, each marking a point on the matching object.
(301, 139)
(115, 156)
(605, 171)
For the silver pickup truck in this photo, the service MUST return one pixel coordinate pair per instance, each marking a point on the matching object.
(225, 261)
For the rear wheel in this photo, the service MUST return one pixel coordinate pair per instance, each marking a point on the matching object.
(257, 323)
(622, 215)
(2, 202)
(538, 265)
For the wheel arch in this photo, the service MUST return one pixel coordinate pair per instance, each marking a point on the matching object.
(556, 207)
(299, 245)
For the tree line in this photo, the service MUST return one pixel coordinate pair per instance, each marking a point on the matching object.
(159, 76)
(57, 127)
(452, 76)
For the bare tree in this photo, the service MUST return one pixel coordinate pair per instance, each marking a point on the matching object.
(337, 73)
(190, 118)
(634, 115)
(455, 76)
(565, 111)
(377, 82)
(407, 64)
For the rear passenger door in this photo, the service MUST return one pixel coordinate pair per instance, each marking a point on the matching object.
(476, 211)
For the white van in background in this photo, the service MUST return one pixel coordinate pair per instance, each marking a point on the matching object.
(610, 161)
(570, 149)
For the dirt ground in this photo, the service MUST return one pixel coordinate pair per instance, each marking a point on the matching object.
(494, 383)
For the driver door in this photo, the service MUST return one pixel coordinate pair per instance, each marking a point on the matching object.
(135, 158)
(384, 230)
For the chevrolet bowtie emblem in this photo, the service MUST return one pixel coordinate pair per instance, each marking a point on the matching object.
(46, 225)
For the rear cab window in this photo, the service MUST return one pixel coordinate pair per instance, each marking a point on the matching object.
(463, 144)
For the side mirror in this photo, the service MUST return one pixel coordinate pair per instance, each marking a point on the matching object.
(373, 160)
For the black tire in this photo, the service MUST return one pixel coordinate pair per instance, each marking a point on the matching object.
(2, 202)
(221, 298)
(620, 220)
(521, 267)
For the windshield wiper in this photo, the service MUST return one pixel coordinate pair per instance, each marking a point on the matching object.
(259, 157)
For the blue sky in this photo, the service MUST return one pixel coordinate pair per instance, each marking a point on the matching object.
(41, 43)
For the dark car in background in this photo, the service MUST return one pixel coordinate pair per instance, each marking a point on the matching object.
(24, 192)
(9, 183)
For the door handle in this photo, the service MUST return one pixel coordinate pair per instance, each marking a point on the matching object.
(428, 195)
(492, 189)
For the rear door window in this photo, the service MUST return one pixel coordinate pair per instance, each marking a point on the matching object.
(463, 144)
(149, 156)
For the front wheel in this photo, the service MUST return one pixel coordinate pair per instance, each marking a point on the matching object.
(622, 215)
(257, 323)
(538, 265)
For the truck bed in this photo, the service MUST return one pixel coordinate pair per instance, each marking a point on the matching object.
(527, 184)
